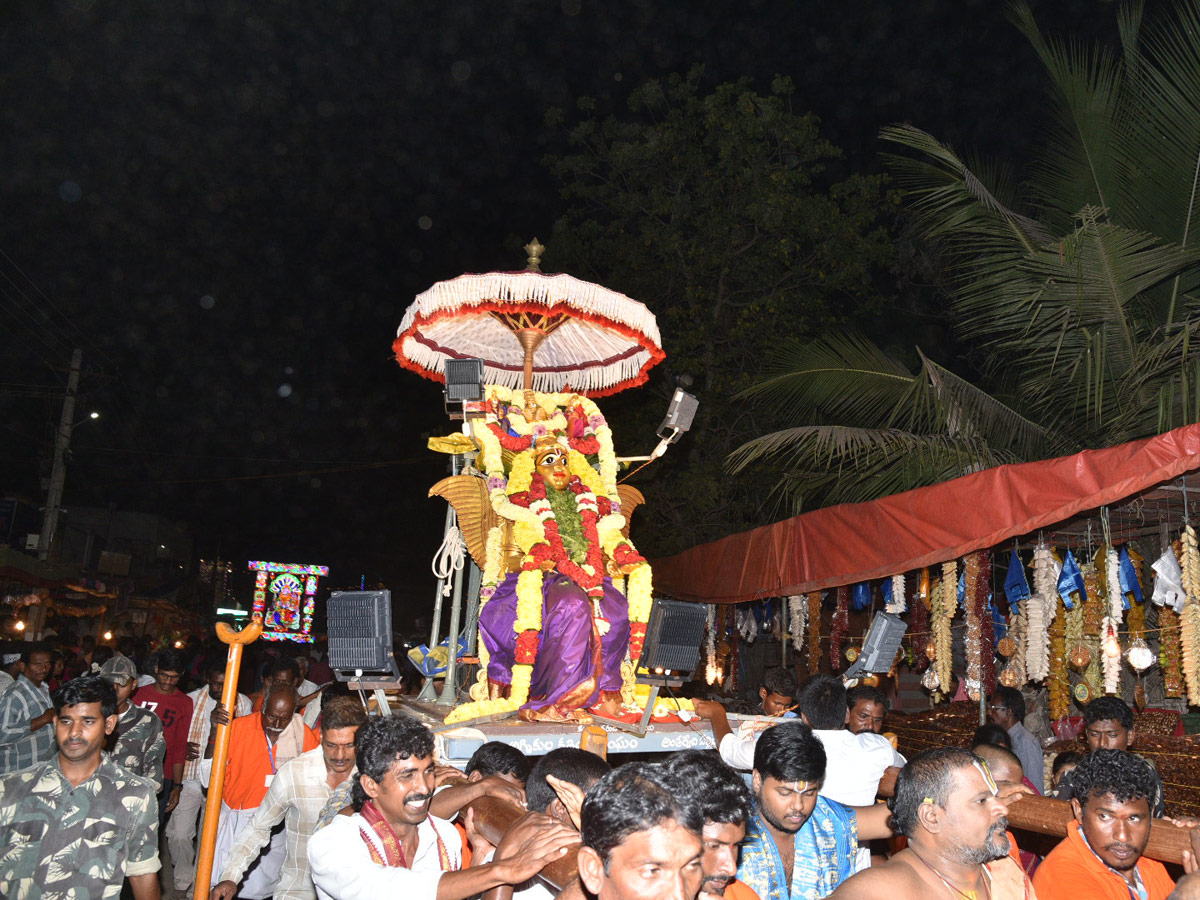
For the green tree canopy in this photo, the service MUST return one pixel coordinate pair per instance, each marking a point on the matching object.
(717, 209)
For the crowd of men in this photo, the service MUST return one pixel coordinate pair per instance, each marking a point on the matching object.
(783, 808)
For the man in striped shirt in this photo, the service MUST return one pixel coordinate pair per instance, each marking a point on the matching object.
(26, 716)
(296, 797)
(181, 827)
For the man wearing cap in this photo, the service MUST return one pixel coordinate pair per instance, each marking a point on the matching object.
(10, 667)
(137, 743)
(26, 716)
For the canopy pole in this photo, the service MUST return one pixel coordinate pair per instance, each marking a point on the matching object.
(531, 339)
(216, 784)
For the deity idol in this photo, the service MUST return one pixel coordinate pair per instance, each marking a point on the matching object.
(557, 635)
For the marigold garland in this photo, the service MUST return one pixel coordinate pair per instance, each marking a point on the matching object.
(1093, 615)
(1059, 682)
(1169, 652)
(1189, 625)
(814, 631)
(941, 614)
(841, 624)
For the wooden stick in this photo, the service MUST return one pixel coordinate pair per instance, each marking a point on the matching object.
(493, 818)
(216, 783)
(1046, 815)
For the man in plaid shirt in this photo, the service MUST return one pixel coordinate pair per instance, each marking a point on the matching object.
(181, 827)
(296, 797)
(26, 716)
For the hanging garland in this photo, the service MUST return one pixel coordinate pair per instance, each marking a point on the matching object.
(1110, 626)
(1059, 683)
(1169, 652)
(1040, 613)
(918, 632)
(1093, 615)
(711, 672)
(987, 635)
(1190, 620)
(973, 642)
(814, 631)
(797, 608)
(841, 624)
(898, 605)
(1014, 674)
(941, 613)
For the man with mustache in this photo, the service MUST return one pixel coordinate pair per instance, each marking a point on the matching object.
(725, 803)
(1101, 856)
(295, 799)
(946, 804)
(258, 746)
(799, 843)
(392, 847)
(79, 824)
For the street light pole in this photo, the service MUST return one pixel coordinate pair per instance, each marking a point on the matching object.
(58, 475)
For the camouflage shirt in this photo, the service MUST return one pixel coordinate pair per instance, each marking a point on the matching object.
(137, 743)
(59, 841)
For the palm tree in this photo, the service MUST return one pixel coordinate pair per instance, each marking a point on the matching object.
(1079, 292)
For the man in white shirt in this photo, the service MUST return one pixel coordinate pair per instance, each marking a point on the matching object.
(181, 827)
(392, 847)
(298, 793)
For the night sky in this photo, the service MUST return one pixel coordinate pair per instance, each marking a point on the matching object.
(229, 205)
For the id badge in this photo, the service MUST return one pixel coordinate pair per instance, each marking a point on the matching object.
(267, 781)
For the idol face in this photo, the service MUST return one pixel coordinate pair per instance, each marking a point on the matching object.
(552, 466)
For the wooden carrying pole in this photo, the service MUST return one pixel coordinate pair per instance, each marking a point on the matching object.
(1045, 815)
(493, 818)
(216, 783)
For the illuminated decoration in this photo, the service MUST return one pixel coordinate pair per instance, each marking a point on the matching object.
(292, 590)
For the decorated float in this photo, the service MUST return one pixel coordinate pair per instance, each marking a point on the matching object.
(564, 596)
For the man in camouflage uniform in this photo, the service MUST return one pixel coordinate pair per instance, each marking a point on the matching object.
(78, 825)
(137, 743)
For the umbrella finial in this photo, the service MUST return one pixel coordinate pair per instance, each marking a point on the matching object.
(535, 250)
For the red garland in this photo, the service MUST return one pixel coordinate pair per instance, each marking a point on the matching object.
(987, 636)
(625, 555)
(588, 518)
(918, 631)
(637, 640)
(841, 624)
(538, 554)
(588, 446)
(527, 648)
(510, 442)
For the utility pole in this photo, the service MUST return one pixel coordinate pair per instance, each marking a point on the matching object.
(58, 475)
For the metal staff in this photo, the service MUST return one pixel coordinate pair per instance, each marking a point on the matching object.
(216, 783)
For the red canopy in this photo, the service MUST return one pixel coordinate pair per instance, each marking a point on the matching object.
(862, 541)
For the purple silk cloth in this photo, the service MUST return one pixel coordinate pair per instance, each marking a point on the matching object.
(564, 656)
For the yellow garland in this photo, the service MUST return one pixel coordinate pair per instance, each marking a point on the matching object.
(1190, 619)
(491, 565)
(577, 464)
(973, 640)
(521, 474)
(941, 614)
(529, 601)
(641, 593)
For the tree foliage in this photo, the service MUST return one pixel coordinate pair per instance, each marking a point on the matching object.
(1075, 291)
(718, 209)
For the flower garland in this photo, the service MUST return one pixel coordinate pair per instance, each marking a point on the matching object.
(814, 632)
(974, 644)
(711, 672)
(520, 497)
(941, 615)
(1059, 683)
(898, 604)
(1169, 646)
(1014, 674)
(1190, 619)
(1093, 616)
(796, 624)
(987, 635)
(918, 633)
(841, 624)
(1039, 614)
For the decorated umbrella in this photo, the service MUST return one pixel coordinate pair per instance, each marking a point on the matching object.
(586, 338)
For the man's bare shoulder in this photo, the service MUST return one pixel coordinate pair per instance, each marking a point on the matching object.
(895, 880)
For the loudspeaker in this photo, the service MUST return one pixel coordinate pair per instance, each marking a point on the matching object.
(881, 646)
(360, 631)
(680, 414)
(673, 638)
